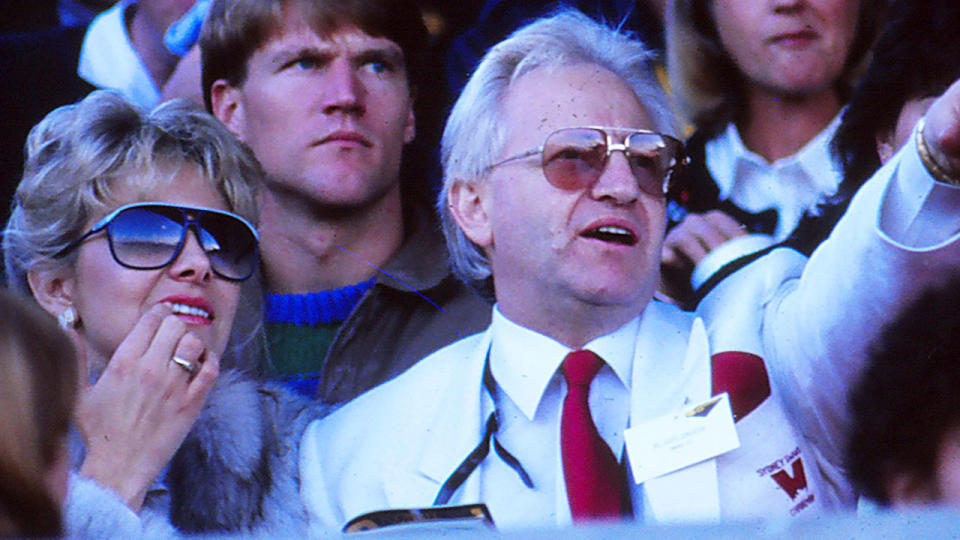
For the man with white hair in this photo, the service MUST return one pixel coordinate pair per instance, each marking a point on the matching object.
(599, 402)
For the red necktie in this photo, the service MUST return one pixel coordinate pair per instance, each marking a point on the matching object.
(595, 481)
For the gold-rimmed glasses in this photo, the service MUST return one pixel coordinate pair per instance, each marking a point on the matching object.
(574, 158)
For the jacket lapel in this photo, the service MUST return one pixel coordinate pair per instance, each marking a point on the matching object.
(450, 435)
(671, 370)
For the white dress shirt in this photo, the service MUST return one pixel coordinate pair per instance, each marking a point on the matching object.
(529, 397)
(790, 185)
(108, 59)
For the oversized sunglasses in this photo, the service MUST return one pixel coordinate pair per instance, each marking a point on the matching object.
(147, 236)
(574, 158)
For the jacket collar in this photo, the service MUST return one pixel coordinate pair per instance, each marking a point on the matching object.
(453, 432)
(421, 261)
(662, 385)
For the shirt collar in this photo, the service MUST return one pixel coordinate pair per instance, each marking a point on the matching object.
(730, 161)
(109, 60)
(523, 361)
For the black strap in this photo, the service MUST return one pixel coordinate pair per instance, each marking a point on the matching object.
(478, 454)
(725, 271)
(468, 465)
(513, 462)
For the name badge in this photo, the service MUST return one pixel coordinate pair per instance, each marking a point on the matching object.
(681, 438)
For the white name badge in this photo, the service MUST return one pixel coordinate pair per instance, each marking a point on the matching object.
(681, 438)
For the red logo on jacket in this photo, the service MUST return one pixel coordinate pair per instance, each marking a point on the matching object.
(789, 474)
(744, 377)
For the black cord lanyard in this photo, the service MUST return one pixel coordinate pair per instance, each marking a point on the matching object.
(478, 454)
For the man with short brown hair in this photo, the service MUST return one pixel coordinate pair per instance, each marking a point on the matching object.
(356, 274)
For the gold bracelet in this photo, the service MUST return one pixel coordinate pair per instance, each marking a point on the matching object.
(934, 168)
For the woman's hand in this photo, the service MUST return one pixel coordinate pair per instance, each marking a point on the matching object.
(696, 236)
(143, 405)
(687, 244)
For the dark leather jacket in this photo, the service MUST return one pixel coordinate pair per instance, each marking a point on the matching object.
(393, 326)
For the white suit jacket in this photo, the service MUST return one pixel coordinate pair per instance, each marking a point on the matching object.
(785, 337)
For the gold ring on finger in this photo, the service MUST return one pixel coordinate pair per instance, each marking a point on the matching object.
(184, 363)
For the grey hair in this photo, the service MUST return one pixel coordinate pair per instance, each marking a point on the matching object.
(473, 136)
(79, 155)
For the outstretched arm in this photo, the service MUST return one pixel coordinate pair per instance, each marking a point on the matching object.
(818, 318)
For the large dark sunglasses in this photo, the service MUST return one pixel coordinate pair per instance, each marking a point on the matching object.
(147, 236)
(574, 158)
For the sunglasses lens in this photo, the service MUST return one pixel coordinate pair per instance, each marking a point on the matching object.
(230, 245)
(574, 158)
(145, 237)
(652, 157)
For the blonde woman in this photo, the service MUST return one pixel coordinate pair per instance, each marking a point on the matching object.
(136, 230)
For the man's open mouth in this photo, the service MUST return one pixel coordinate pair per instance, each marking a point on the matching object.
(612, 234)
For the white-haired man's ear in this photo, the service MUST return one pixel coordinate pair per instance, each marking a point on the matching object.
(469, 203)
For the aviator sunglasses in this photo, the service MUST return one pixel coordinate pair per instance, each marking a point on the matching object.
(150, 235)
(574, 158)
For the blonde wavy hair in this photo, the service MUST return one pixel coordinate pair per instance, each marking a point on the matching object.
(79, 155)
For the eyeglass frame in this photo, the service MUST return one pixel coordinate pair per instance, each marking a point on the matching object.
(611, 147)
(190, 222)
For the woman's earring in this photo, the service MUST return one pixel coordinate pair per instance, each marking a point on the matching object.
(68, 318)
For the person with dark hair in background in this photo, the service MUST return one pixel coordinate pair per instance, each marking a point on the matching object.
(358, 287)
(763, 83)
(904, 448)
(38, 388)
